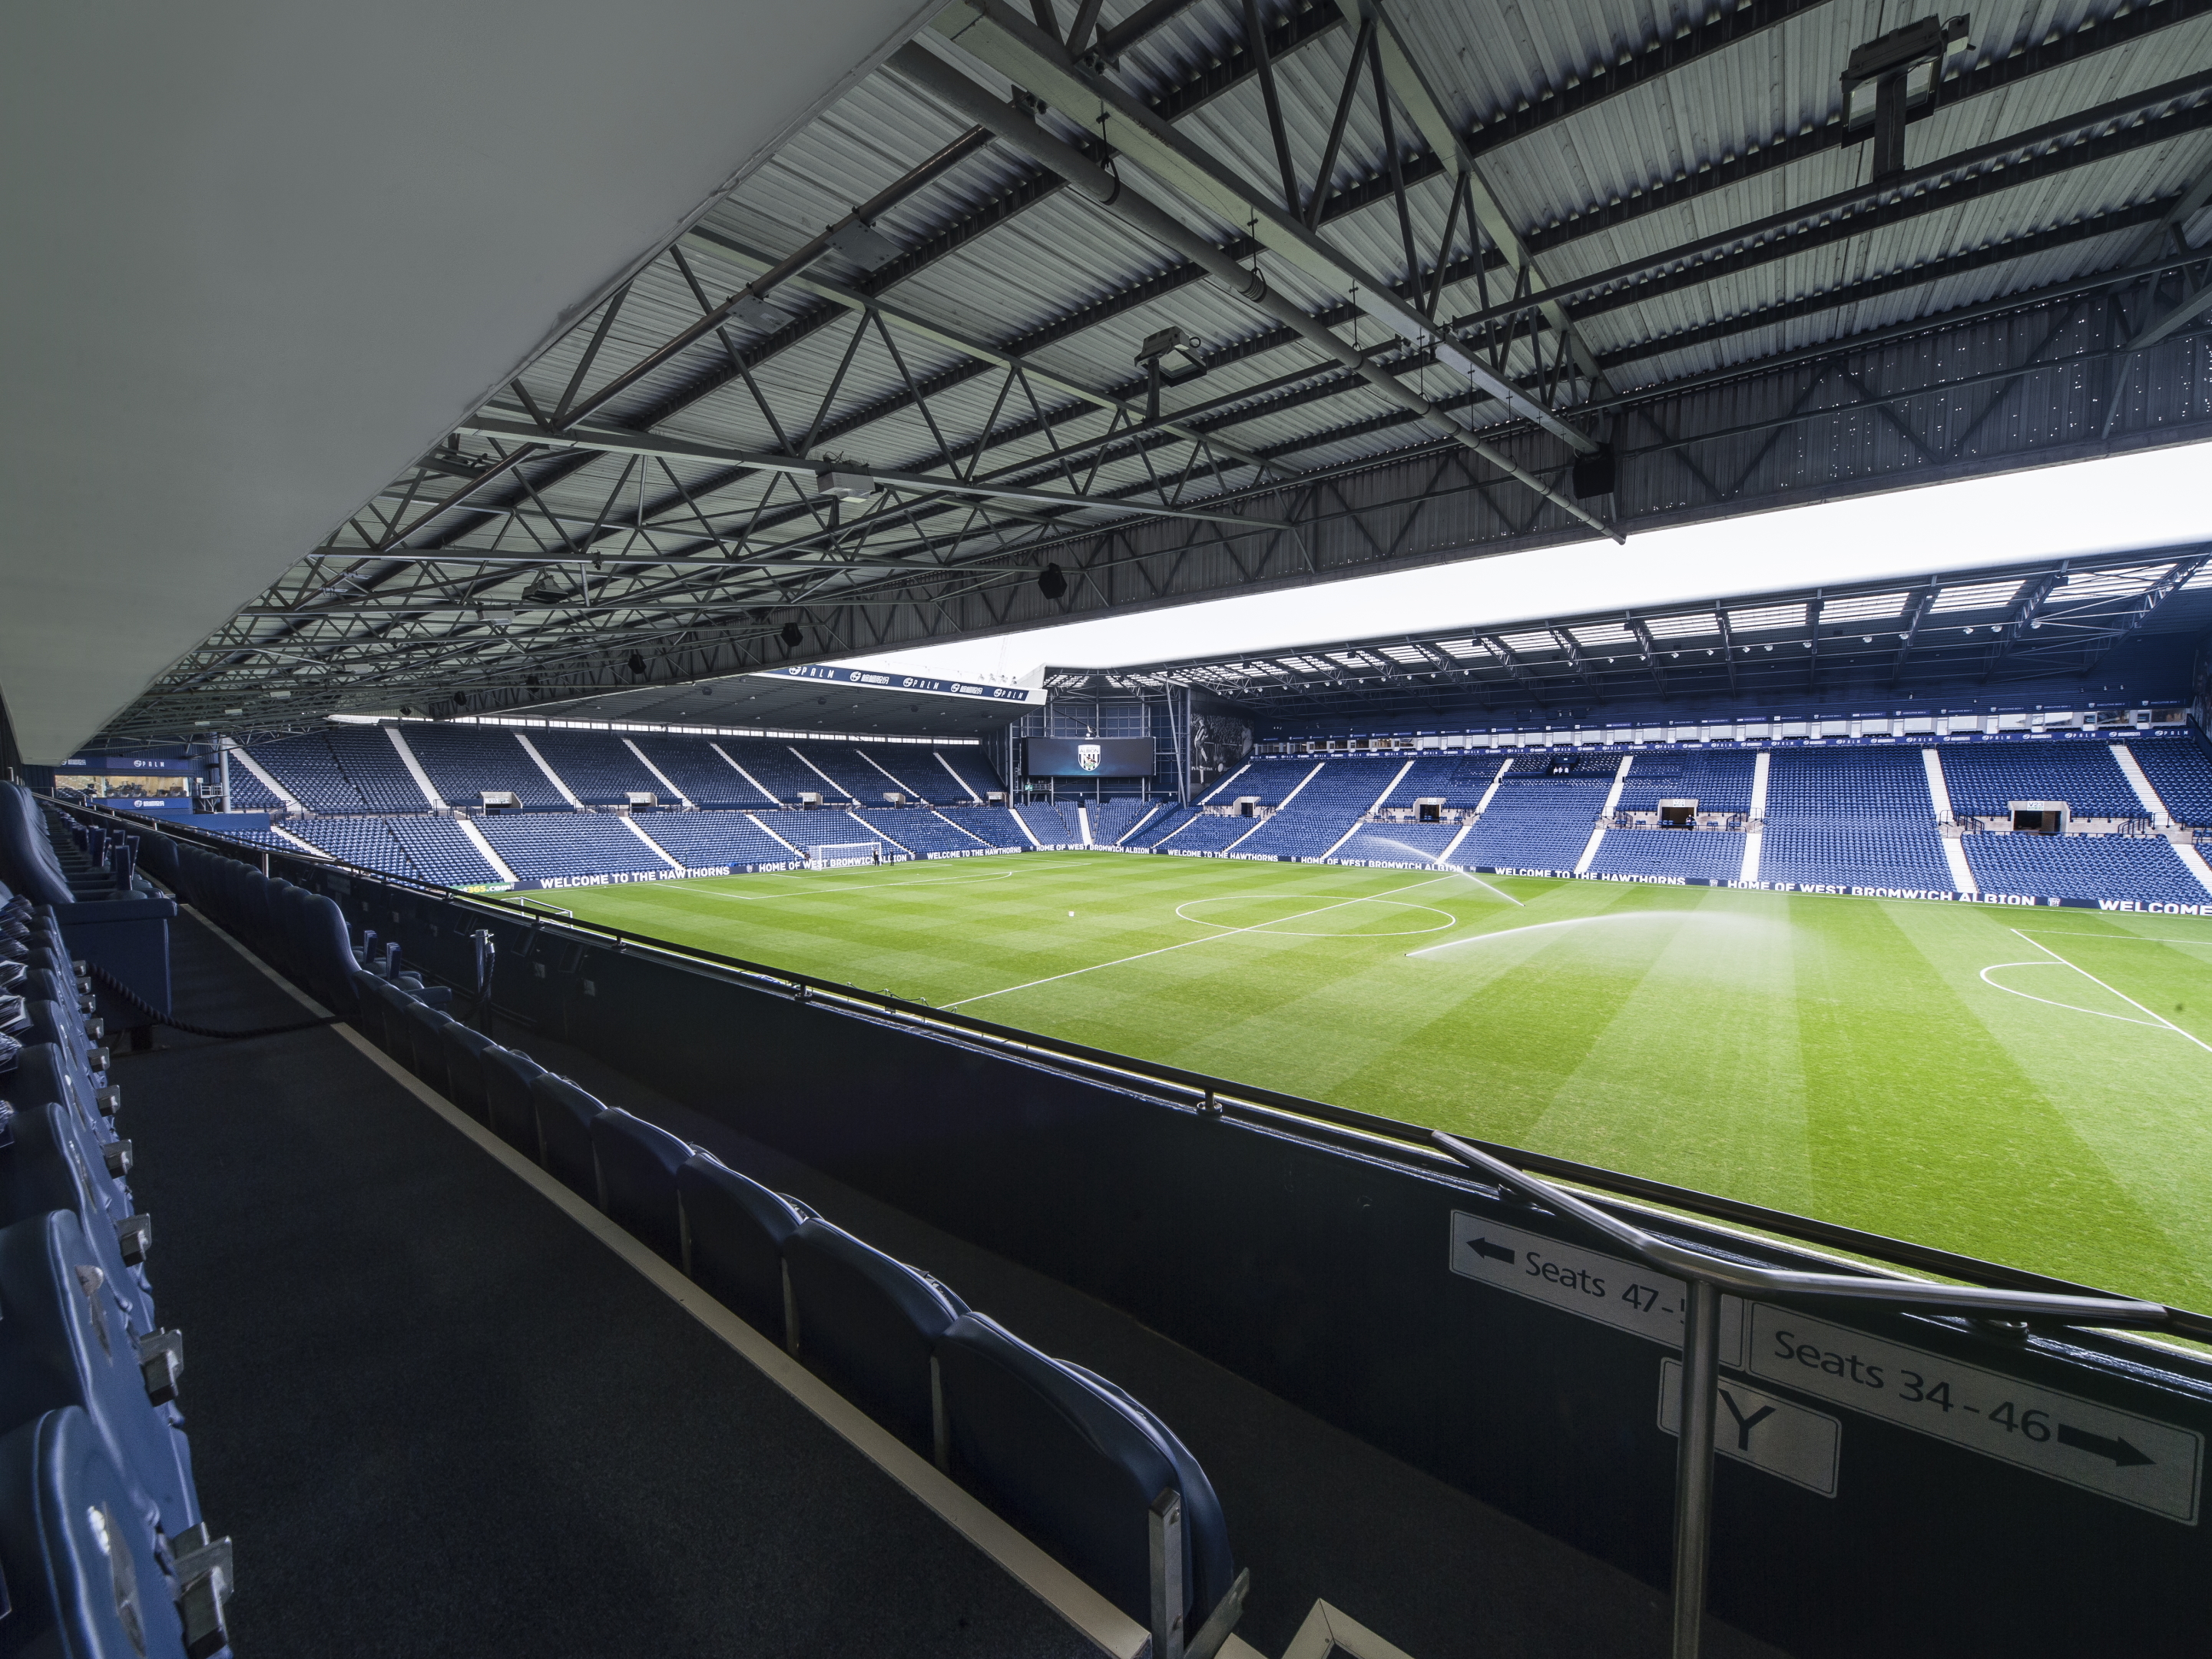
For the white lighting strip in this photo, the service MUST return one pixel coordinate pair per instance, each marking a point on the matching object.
(672, 730)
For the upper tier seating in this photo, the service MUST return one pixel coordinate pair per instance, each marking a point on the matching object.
(693, 766)
(1719, 781)
(1983, 777)
(248, 793)
(541, 844)
(370, 842)
(1853, 817)
(1460, 779)
(1209, 832)
(598, 768)
(310, 771)
(370, 760)
(970, 766)
(777, 768)
(1713, 855)
(876, 769)
(698, 840)
(2082, 866)
(2180, 770)
(463, 762)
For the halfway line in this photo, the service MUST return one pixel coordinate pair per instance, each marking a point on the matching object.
(1207, 939)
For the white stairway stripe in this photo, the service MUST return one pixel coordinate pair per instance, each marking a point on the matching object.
(747, 776)
(874, 834)
(2195, 860)
(485, 850)
(906, 789)
(666, 782)
(2131, 768)
(1939, 796)
(551, 776)
(754, 819)
(839, 789)
(1754, 843)
(1091, 1614)
(1452, 846)
(971, 836)
(1612, 802)
(1083, 823)
(269, 782)
(1489, 794)
(1023, 825)
(414, 767)
(651, 845)
(1144, 818)
(1204, 799)
(306, 847)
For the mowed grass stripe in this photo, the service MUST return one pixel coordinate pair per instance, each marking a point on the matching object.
(1836, 1057)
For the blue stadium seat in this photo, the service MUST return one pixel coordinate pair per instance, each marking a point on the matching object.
(866, 1325)
(66, 1342)
(508, 1108)
(465, 1068)
(426, 1049)
(564, 1114)
(636, 1164)
(84, 1572)
(51, 1166)
(368, 1008)
(1076, 1463)
(733, 1231)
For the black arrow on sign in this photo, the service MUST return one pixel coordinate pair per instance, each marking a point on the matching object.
(2123, 1456)
(1495, 1252)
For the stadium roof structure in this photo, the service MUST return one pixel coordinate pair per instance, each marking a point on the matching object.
(1078, 305)
(1969, 632)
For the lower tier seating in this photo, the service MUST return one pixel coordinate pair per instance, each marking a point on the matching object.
(536, 845)
(2082, 866)
(1709, 853)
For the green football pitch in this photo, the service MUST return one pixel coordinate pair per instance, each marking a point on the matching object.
(2032, 1087)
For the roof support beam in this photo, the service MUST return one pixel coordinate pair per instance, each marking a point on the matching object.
(919, 66)
(993, 34)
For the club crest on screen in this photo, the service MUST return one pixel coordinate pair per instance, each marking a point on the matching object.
(1087, 755)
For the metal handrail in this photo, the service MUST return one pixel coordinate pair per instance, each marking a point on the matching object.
(1707, 1276)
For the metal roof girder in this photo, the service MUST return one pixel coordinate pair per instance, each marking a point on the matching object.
(726, 248)
(646, 443)
(992, 34)
(1419, 99)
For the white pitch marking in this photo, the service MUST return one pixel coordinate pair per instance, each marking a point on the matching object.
(1207, 939)
(2047, 1002)
(2122, 995)
(2127, 939)
(1449, 920)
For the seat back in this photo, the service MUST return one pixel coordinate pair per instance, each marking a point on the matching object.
(28, 862)
(53, 1165)
(867, 1324)
(732, 1234)
(83, 1574)
(426, 1054)
(564, 1132)
(1076, 1463)
(508, 1108)
(636, 1164)
(65, 1342)
(368, 1011)
(464, 1078)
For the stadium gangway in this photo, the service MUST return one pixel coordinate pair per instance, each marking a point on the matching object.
(1706, 1277)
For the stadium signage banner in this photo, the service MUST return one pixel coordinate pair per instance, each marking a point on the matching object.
(619, 879)
(868, 680)
(1088, 757)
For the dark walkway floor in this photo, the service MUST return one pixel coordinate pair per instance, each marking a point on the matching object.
(439, 1418)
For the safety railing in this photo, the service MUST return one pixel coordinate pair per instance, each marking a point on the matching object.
(1705, 1277)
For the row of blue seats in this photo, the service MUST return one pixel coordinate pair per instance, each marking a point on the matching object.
(104, 1553)
(1073, 1460)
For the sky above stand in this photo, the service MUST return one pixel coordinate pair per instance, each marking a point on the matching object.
(2159, 498)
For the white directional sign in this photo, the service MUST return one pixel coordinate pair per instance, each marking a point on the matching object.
(1752, 1426)
(1605, 1288)
(2153, 1465)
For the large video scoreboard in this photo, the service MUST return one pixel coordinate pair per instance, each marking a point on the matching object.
(1088, 757)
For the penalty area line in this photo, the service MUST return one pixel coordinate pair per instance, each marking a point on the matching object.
(1207, 938)
(2122, 995)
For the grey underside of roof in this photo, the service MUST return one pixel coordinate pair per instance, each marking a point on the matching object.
(2032, 291)
(1972, 631)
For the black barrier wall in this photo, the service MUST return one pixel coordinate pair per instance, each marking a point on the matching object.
(1893, 1485)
